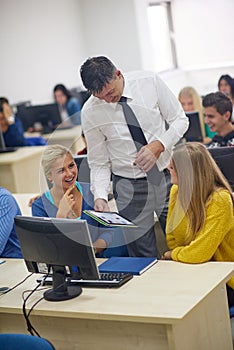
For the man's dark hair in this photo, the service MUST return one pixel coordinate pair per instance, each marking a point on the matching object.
(221, 102)
(2, 101)
(96, 72)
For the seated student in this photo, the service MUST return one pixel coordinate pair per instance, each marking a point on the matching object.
(68, 198)
(69, 105)
(226, 86)
(217, 112)
(200, 221)
(9, 244)
(191, 102)
(12, 128)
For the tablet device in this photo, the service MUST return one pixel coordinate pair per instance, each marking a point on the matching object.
(109, 218)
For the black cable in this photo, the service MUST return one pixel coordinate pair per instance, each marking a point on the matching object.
(30, 327)
(16, 285)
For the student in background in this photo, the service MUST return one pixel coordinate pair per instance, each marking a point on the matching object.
(200, 222)
(217, 112)
(67, 198)
(226, 86)
(12, 128)
(191, 101)
(69, 105)
(9, 244)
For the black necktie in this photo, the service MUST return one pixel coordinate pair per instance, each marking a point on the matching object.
(154, 176)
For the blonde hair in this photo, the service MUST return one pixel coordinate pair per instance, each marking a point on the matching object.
(189, 91)
(51, 154)
(198, 178)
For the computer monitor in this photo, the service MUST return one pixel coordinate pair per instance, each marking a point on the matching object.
(64, 245)
(194, 132)
(224, 158)
(47, 116)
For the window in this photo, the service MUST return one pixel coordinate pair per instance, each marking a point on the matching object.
(162, 36)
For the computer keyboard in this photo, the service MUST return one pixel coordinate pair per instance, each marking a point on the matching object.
(107, 280)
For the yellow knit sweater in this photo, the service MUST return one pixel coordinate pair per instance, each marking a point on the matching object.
(214, 241)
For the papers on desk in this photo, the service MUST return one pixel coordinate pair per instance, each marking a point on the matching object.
(133, 265)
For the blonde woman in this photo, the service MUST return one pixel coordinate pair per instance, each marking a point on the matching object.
(200, 221)
(191, 102)
(67, 198)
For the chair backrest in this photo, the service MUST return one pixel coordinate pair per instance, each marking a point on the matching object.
(224, 158)
(83, 168)
(14, 341)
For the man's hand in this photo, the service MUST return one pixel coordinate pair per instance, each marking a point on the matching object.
(148, 154)
(101, 205)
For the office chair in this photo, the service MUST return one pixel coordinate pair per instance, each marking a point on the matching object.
(13, 341)
(231, 311)
(83, 168)
(224, 158)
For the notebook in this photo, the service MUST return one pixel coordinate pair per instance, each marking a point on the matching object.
(132, 265)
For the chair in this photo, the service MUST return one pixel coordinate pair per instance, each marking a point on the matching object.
(224, 157)
(9, 341)
(231, 311)
(83, 168)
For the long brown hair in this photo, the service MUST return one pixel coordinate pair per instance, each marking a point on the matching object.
(198, 178)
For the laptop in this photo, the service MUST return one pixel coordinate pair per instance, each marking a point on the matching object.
(3, 148)
(194, 132)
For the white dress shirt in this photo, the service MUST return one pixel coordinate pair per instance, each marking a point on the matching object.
(110, 145)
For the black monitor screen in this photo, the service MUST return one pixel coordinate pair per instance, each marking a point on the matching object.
(224, 157)
(194, 132)
(47, 117)
(63, 244)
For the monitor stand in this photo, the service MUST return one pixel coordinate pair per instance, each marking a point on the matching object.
(61, 290)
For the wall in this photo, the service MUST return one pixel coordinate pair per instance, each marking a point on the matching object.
(110, 29)
(41, 43)
(45, 42)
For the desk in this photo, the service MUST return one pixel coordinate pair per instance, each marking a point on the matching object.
(70, 138)
(20, 170)
(171, 306)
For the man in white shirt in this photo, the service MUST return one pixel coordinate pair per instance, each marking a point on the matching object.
(111, 149)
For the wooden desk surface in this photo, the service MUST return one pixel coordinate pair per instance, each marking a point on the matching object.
(167, 291)
(20, 170)
(172, 306)
(20, 154)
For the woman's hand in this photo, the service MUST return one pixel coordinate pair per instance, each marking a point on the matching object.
(66, 204)
(31, 200)
(167, 255)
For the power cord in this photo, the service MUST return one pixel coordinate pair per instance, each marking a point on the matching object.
(16, 285)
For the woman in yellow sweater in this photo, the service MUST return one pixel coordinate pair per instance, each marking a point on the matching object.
(200, 221)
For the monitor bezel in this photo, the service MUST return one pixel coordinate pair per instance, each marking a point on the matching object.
(194, 120)
(53, 241)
